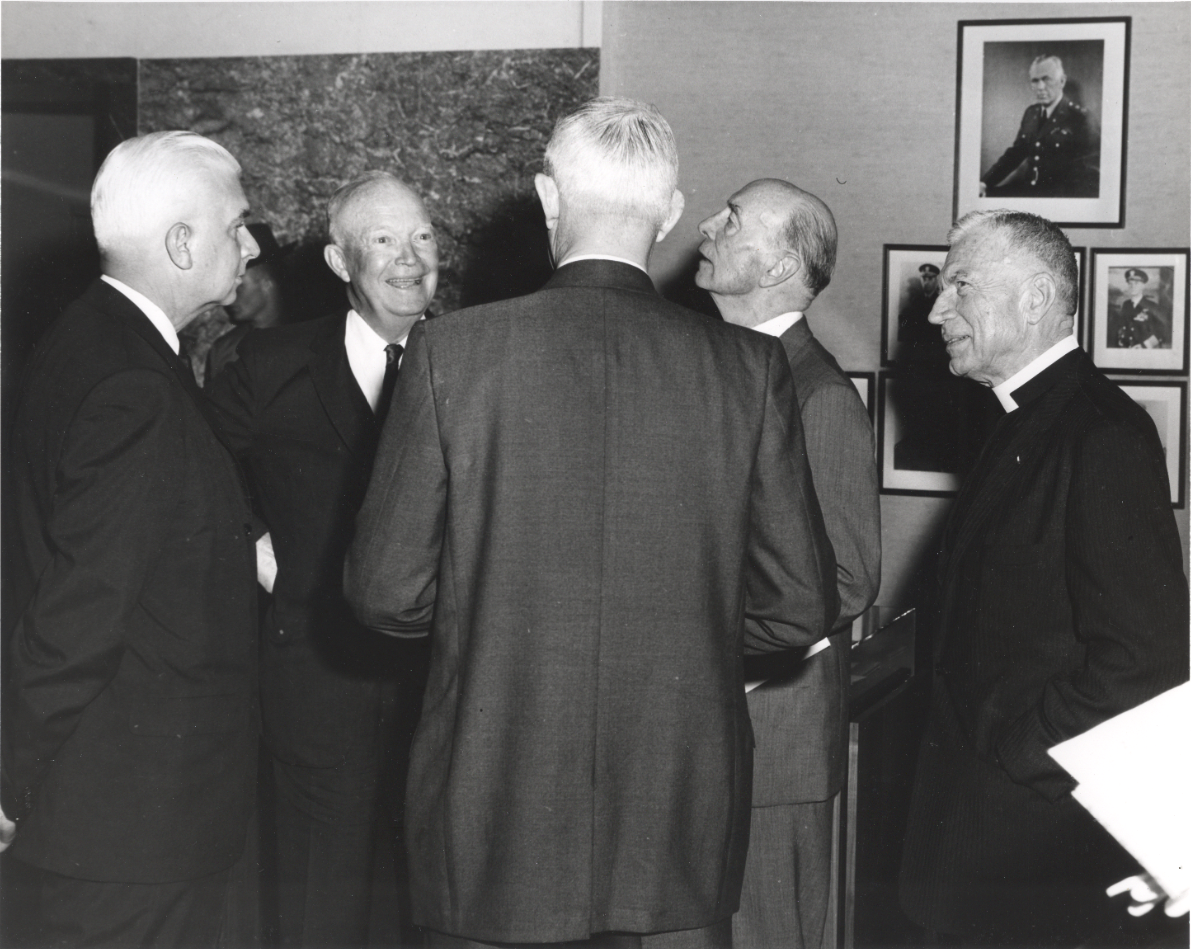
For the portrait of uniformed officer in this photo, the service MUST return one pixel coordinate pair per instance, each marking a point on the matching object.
(1056, 153)
(919, 341)
(1138, 320)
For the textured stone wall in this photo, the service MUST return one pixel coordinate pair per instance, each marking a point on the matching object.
(465, 129)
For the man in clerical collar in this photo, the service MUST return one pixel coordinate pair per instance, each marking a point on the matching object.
(1056, 151)
(1063, 604)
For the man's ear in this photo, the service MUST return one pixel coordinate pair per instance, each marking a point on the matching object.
(177, 245)
(1038, 296)
(333, 255)
(677, 204)
(785, 267)
(547, 190)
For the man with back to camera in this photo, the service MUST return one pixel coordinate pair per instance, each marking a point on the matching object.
(628, 506)
(1063, 603)
(1056, 140)
(130, 701)
(302, 408)
(765, 258)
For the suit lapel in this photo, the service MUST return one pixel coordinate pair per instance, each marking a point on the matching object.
(796, 339)
(337, 389)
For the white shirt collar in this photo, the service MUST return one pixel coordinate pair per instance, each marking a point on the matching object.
(619, 260)
(779, 324)
(1020, 378)
(366, 355)
(155, 314)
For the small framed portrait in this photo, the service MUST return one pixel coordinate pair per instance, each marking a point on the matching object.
(930, 427)
(1041, 118)
(1138, 309)
(1166, 403)
(866, 383)
(909, 290)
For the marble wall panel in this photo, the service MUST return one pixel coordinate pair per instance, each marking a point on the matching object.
(466, 129)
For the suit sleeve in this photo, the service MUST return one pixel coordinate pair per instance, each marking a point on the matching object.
(839, 447)
(391, 571)
(1129, 600)
(231, 394)
(117, 482)
(790, 596)
(1013, 156)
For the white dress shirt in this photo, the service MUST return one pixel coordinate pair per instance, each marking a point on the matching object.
(779, 324)
(619, 260)
(155, 313)
(1003, 392)
(366, 355)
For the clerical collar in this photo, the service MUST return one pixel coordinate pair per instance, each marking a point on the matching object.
(619, 260)
(154, 313)
(779, 324)
(1004, 391)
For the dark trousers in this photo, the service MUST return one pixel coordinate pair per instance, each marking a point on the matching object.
(326, 826)
(716, 936)
(82, 913)
(787, 878)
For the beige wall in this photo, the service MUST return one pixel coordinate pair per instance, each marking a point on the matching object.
(39, 30)
(856, 102)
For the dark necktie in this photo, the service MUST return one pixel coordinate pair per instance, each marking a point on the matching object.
(392, 364)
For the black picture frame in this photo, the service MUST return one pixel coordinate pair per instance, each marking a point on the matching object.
(866, 388)
(1166, 403)
(930, 427)
(1083, 185)
(1115, 343)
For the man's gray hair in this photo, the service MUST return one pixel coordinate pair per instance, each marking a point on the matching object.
(345, 192)
(1033, 235)
(145, 180)
(615, 156)
(1049, 56)
(810, 232)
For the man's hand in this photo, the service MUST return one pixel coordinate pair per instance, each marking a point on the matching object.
(8, 830)
(983, 190)
(1145, 893)
(266, 563)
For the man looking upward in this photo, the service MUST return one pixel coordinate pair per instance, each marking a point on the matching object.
(765, 258)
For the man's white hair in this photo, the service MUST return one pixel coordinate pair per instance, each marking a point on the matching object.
(144, 182)
(1049, 57)
(615, 156)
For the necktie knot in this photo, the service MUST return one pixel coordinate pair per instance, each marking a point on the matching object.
(393, 353)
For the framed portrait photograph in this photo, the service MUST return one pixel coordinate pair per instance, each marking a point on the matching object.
(865, 383)
(1041, 118)
(909, 288)
(1138, 305)
(930, 428)
(1166, 403)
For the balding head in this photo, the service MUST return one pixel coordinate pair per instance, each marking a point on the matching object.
(770, 250)
(383, 246)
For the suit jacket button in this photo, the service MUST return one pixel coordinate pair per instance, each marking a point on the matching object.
(248, 529)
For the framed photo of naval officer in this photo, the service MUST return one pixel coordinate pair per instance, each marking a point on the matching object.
(908, 292)
(1166, 403)
(1139, 305)
(1041, 118)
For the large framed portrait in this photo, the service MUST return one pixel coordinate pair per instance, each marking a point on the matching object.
(909, 289)
(930, 427)
(1166, 403)
(1041, 118)
(1139, 311)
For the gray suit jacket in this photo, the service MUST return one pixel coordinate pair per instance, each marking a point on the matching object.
(593, 500)
(800, 715)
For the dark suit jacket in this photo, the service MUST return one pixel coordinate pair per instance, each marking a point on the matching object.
(800, 716)
(1064, 604)
(130, 705)
(294, 414)
(1062, 155)
(602, 499)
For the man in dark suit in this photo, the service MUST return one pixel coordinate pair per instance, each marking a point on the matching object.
(594, 500)
(1056, 142)
(130, 700)
(1063, 603)
(301, 408)
(765, 258)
